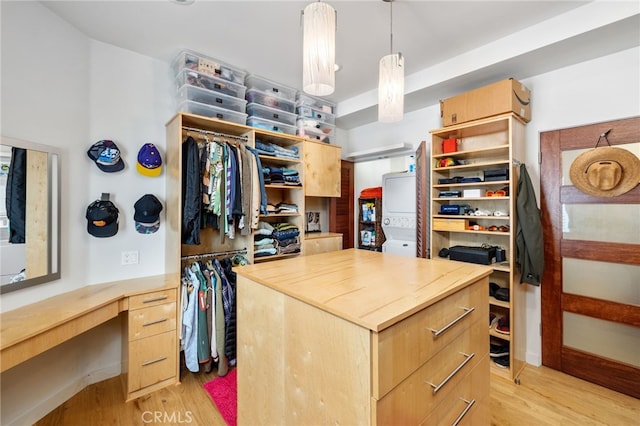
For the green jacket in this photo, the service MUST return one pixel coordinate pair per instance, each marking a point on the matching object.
(529, 244)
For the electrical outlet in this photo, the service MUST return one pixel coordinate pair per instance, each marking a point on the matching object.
(130, 257)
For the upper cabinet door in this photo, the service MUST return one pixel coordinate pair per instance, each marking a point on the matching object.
(322, 169)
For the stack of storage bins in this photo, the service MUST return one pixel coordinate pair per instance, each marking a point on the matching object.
(209, 87)
(271, 105)
(316, 118)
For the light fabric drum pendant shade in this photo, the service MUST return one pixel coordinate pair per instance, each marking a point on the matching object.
(391, 88)
(319, 49)
(391, 82)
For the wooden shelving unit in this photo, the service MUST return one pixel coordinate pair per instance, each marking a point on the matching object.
(370, 223)
(486, 144)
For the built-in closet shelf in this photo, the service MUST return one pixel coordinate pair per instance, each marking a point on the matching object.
(267, 216)
(482, 146)
(283, 186)
(272, 159)
(274, 257)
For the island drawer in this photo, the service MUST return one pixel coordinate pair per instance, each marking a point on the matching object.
(402, 348)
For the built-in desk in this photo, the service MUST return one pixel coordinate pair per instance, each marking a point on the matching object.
(149, 338)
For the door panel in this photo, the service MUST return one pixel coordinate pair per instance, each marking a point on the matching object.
(341, 210)
(591, 283)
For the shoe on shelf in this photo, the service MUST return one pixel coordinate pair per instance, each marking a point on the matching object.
(502, 361)
(502, 325)
(502, 294)
(493, 287)
(492, 319)
(498, 349)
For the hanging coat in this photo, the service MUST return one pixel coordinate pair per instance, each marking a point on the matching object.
(529, 244)
(16, 197)
(191, 192)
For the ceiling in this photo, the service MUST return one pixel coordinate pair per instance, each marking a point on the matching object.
(449, 46)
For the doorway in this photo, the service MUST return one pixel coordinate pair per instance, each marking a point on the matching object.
(591, 283)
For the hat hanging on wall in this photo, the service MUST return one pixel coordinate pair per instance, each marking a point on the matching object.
(147, 214)
(606, 171)
(102, 218)
(106, 155)
(149, 161)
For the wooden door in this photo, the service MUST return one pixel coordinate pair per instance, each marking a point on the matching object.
(341, 211)
(591, 283)
(423, 203)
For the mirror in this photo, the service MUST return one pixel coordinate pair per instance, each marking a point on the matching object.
(29, 214)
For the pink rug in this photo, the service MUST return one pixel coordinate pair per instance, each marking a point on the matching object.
(223, 392)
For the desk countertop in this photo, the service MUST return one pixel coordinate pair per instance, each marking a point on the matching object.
(373, 290)
(28, 321)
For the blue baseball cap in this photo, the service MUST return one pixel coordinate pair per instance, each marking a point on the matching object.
(149, 161)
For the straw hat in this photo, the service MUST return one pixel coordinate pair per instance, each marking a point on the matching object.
(605, 172)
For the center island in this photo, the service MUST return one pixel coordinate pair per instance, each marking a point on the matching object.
(355, 337)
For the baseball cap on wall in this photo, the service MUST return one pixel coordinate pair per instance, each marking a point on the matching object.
(149, 161)
(102, 219)
(106, 155)
(147, 214)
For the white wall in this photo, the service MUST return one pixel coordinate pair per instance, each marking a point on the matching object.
(603, 89)
(63, 89)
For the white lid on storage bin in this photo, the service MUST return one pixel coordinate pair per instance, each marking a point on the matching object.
(274, 126)
(212, 111)
(259, 97)
(315, 134)
(209, 97)
(262, 111)
(210, 66)
(219, 85)
(317, 103)
(305, 111)
(270, 87)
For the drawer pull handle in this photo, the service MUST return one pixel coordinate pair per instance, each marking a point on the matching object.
(466, 312)
(153, 361)
(146, 324)
(155, 299)
(467, 358)
(465, 411)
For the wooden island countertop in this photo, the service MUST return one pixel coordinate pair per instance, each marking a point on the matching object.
(373, 290)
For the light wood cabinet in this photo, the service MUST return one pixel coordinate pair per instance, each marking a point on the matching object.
(149, 349)
(322, 242)
(487, 212)
(322, 169)
(358, 337)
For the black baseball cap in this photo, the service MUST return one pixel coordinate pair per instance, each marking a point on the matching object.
(147, 214)
(106, 155)
(102, 219)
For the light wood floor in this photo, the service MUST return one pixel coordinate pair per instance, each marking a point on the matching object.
(544, 397)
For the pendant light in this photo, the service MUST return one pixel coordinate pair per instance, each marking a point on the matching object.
(319, 49)
(391, 82)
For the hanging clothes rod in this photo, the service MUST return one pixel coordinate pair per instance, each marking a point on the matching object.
(218, 134)
(214, 254)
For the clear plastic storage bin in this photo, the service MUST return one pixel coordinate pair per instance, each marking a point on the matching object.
(271, 88)
(212, 111)
(274, 126)
(198, 79)
(188, 59)
(315, 129)
(305, 111)
(273, 101)
(261, 111)
(209, 97)
(315, 103)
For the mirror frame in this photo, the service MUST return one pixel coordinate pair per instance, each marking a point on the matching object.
(54, 214)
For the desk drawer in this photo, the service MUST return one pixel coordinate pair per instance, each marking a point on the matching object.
(152, 299)
(152, 360)
(430, 385)
(152, 320)
(401, 349)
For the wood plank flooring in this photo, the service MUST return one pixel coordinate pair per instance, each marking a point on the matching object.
(545, 397)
